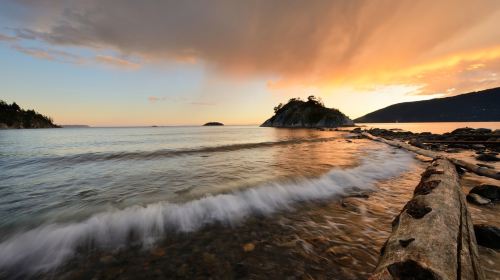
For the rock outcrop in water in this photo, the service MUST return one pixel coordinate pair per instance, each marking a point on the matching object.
(213, 124)
(12, 116)
(309, 114)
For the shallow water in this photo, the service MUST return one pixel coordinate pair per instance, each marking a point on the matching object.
(433, 127)
(188, 202)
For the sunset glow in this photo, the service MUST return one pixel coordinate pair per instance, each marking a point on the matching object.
(107, 63)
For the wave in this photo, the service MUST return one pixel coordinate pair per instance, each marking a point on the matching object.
(49, 246)
(148, 155)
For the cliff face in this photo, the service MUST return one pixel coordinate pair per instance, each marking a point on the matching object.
(12, 116)
(473, 107)
(308, 114)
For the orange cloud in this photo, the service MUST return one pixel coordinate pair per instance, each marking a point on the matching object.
(324, 44)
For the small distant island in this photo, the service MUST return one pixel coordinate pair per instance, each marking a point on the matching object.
(306, 114)
(75, 126)
(213, 124)
(481, 106)
(12, 116)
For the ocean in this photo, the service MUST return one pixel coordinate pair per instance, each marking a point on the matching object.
(188, 202)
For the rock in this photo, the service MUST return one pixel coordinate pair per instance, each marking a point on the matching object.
(487, 157)
(107, 259)
(213, 124)
(356, 130)
(483, 130)
(463, 130)
(158, 252)
(240, 271)
(209, 259)
(487, 236)
(307, 114)
(474, 198)
(423, 158)
(182, 271)
(417, 143)
(486, 166)
(490, 192)
(248, 247)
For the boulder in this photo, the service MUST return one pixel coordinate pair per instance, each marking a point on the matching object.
(490, 192)
(487, 157)
(487, 236)
(474, 198)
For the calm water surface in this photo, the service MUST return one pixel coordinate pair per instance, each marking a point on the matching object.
(187, 202)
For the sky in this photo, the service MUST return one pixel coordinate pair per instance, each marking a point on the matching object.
(149, 62)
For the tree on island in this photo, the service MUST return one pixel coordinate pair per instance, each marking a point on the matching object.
(13, 116)
(310, 113)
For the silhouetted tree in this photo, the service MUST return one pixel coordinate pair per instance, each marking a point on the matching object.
(13, 116)
(15, 107)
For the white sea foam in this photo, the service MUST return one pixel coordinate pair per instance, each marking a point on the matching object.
(47, 247)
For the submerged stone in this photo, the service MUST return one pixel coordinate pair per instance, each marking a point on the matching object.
(477, 199)
(491, 192)
(487, 236)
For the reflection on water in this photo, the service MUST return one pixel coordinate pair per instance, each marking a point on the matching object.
(331, 239)
(189, 202)
(433, 127)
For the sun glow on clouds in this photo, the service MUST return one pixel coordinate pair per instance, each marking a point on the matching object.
(358, 55)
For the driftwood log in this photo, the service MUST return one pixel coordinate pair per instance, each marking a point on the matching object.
(464, 164)
(433, 236)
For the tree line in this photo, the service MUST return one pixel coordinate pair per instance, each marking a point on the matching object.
(13, 116)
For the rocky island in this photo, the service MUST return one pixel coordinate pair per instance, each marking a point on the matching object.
(13, 116)
(213, 124)
(307, 114)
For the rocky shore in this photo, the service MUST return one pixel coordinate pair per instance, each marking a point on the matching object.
(479, 148)
(485, 142)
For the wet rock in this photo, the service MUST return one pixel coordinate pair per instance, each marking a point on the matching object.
(463, 130)
(107, 260)
(248, 247)
(478, 147)
(183, 270)
(486, 166)
(158, 252)
(209, 258)
(417, 143)
(350, 205)
(477, 199)
(356, 130)
(490, 192)
(487, 236)
(240, 270)
(487, 157)
(482, 130)
(423, 158)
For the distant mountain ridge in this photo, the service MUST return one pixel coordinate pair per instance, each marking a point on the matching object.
(308, 114)
(12, 116)
(469, 107)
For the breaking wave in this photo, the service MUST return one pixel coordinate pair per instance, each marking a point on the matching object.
(48, 246)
